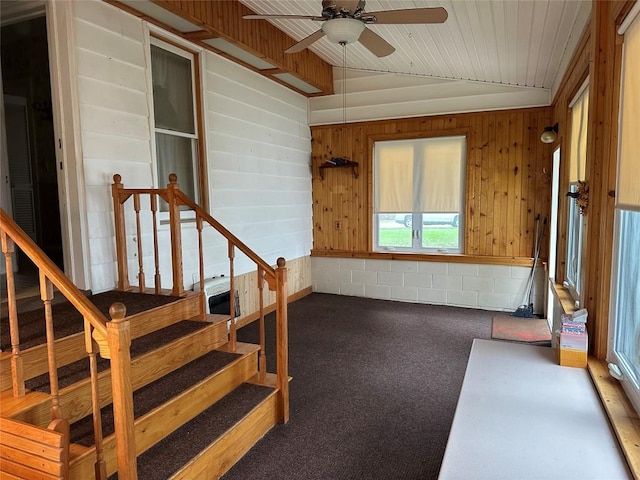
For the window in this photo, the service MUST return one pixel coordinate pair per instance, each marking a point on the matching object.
(175, 118)
(577, 163)
(624, 347)
(418, 194)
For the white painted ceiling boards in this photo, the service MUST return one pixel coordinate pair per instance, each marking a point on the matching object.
(489, 54)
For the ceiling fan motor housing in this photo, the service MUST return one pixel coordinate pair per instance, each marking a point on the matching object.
(342, 9)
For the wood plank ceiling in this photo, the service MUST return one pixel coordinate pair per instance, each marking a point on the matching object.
(489, 54)
(507, 42)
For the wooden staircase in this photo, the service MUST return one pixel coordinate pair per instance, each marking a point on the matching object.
(179, 396)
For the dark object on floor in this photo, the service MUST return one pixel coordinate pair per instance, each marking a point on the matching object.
(528, 330)
(526, 309)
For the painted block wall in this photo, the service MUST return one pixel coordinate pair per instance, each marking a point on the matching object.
(257, 141)
(486, 287)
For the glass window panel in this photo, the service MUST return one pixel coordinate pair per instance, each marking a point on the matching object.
(440, 231)
(574, 246)
(423, 178)
(627, 302)
(394, 230)
(172, 91)
(177, 155)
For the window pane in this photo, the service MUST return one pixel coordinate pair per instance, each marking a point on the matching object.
(574, 245)
(394, 230)
(627, 305)
(177, 155)
(423, 179)
(172, 91)
(440, 231)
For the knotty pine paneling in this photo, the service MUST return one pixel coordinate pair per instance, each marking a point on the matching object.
(508, 179)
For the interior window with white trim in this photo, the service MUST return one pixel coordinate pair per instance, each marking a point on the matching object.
(419, 194)
(175, 119)
(624, 345)
(577, 164)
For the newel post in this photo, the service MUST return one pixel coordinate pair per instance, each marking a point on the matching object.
(282, 341)
(119, 340)
(176, 235)
(121, 235)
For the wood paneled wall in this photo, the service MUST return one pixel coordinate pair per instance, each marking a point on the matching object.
(298, 285)
(573, 79)
(508, 179)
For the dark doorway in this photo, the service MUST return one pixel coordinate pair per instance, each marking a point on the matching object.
(30, 135)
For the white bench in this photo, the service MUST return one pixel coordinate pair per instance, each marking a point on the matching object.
(521, 416)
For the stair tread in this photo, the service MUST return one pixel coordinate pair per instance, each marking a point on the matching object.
(176, 450)
(79, 370)
(156, 393)
(68, 320)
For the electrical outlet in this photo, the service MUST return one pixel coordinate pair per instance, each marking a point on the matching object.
(338, 226)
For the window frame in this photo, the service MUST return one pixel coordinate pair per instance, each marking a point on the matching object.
(575, 246)
(621, 323)
(417, 247)
(178, 46)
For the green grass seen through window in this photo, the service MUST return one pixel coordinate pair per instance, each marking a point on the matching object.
(432, 237)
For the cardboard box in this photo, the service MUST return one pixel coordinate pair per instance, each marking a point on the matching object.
(572, 350)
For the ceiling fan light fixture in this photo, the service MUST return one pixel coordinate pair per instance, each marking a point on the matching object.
(343, 30)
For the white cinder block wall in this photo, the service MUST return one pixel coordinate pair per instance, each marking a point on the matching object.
(257, 139)
(487, 287)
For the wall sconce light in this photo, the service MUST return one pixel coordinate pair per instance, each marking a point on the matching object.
(549, 134)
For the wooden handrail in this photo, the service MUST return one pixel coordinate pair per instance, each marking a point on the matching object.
(53, 273)
(200, 212)
(276, 278)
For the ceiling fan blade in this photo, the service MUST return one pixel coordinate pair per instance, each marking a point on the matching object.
(375, 43)
(408, 16)
(285, 17)
(305, 42)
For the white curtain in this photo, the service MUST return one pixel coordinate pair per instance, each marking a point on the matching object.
(578, 146)
(629, 156)
(419, 175)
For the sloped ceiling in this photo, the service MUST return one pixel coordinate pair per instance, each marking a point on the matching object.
(488, 54)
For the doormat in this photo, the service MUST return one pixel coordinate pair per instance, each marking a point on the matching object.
(517, 329)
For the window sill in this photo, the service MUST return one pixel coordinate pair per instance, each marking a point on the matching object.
(431, 257)
(565, 298)
(622, 415)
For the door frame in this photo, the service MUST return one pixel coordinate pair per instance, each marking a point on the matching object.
(66, 127)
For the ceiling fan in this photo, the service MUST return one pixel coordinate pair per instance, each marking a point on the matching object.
(345, 22)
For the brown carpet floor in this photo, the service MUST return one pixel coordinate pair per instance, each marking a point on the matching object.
(374, 390)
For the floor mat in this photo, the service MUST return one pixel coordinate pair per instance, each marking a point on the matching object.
(518, 329)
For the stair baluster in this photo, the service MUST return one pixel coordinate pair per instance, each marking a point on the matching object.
(17, 372)
(136, 207)
(46, 294)
(262, 362)
(232, 299)
(203, 298)
(156, 257)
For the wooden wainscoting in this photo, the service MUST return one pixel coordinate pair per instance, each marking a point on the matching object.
(508, 179)
(298, 286)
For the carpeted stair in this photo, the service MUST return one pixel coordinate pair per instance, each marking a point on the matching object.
(197, 406)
